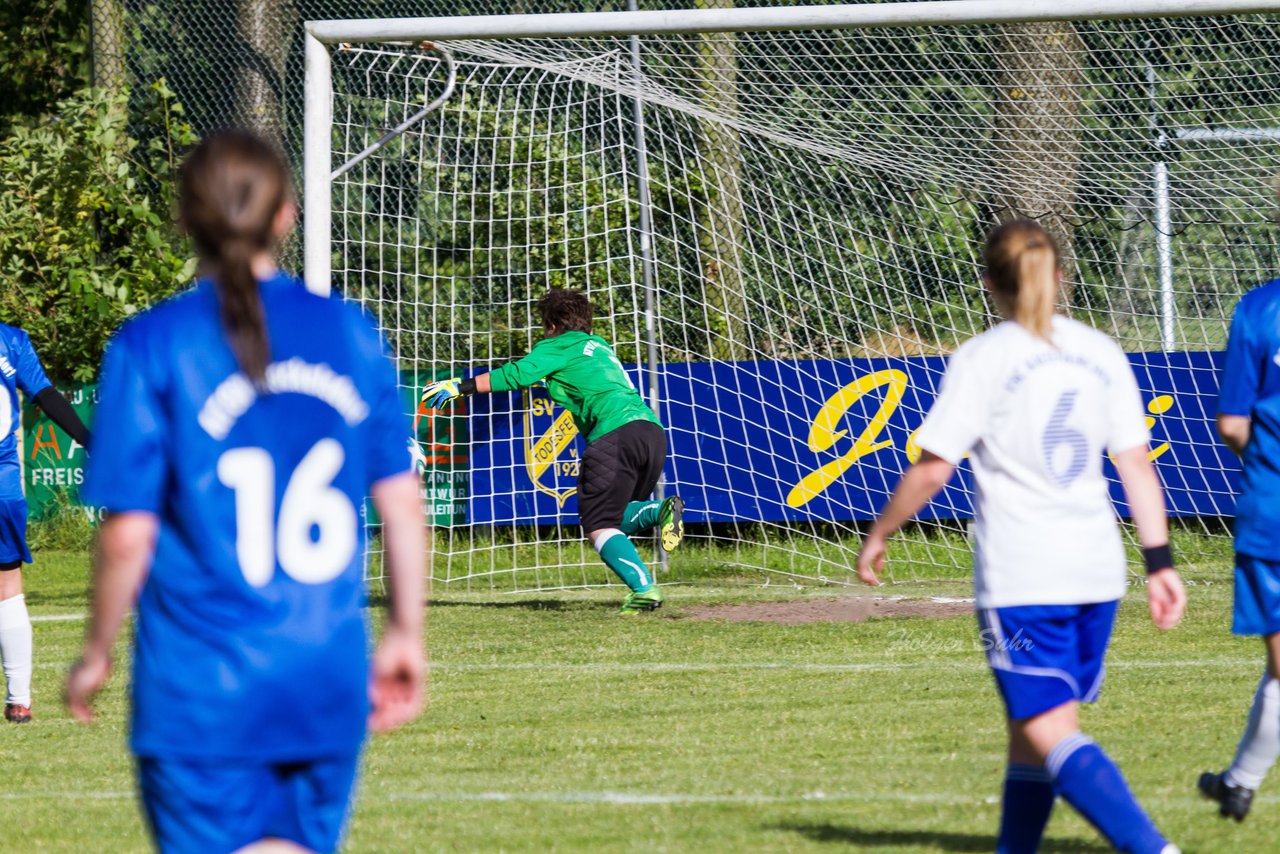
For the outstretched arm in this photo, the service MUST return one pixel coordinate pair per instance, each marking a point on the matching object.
(60, 412)
(521, 373)
(1165, 595)
(919, 483)
(126, 542)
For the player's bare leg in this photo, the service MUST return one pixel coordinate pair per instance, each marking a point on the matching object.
(15, 644)
(1028, 796)
(1085, 777)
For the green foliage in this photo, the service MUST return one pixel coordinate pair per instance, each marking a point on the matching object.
(44, 55)
(86, 233)
(66, 529)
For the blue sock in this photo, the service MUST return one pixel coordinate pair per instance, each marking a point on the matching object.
(1087, 779)
(1028, 800)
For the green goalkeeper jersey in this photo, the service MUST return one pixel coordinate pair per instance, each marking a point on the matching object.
(585, 377)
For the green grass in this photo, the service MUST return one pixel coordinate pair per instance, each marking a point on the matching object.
(555, 725)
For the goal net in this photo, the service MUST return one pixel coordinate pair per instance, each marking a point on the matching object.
(779, 230)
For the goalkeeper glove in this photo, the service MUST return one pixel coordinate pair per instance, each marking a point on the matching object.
(440, 392)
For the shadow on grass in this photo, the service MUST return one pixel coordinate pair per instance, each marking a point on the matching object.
(380, 600)
(879, 839)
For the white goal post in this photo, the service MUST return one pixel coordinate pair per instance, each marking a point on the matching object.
(777, 212)
(322, 35)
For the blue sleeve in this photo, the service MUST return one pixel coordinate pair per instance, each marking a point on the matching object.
(128, 466)
(387, 430)
(30, 376)
(1241, 371)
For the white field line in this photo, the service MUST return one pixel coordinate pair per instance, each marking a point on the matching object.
(818, 667)
(802, 666)
(942, 600)
(607, 798)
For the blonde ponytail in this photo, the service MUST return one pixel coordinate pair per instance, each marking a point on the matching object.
(1021, 261)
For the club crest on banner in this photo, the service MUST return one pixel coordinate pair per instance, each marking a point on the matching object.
(550, 454)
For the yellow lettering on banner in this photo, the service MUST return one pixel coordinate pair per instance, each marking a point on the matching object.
(1158, 406)
(825, 434)
(543, 452)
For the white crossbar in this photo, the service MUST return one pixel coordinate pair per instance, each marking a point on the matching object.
(849, 16)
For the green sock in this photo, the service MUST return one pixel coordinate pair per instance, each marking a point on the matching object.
(620, 555)
(640, 516)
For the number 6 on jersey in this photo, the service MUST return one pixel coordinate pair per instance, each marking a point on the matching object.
(310, 502)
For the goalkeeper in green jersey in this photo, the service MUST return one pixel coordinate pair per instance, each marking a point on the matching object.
(626, 444)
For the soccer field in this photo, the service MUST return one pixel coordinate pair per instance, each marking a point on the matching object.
(556, 725)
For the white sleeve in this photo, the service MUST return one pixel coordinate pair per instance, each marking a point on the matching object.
(958, 417)
(1126, 419)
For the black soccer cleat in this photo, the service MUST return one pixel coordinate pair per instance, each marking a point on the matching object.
(1234, 801)
(16, 714)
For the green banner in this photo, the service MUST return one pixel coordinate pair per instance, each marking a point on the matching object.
(53, 462)
(446, 446)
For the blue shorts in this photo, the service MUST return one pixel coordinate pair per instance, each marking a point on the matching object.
(222, 806)
(13, 531)
(1046, 655)
(1257, 597)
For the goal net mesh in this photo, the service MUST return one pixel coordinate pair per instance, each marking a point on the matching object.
(817, 202)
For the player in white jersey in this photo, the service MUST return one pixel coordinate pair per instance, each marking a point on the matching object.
(1034, 402)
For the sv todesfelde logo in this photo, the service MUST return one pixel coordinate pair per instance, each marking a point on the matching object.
(550, 454)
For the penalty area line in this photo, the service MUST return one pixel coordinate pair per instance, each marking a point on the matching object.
(831, 667)
(612, 798)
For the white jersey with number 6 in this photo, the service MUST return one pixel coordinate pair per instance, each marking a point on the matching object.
(1036, 418)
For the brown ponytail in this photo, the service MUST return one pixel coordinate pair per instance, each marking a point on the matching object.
(1021, 261)
(231, 188)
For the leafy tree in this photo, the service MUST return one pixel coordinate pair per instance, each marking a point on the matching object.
(44, 55)
(86, 234)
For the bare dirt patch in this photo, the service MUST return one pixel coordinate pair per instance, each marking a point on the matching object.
(847, 609)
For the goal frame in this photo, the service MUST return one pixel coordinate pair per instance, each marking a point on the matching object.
(320, 36)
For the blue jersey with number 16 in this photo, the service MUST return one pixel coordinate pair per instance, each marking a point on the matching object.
(250, 638)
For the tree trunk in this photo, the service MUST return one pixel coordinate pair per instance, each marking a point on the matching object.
(106, 27)
(722, 220)
(264, 28)
(1037, 131)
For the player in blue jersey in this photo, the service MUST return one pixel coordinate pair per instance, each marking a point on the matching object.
(1249, 423)
(20, 370)
(1034, 402)
(240, 426)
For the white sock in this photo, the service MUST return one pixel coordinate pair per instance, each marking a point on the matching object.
(15, 649)
(1260, 744)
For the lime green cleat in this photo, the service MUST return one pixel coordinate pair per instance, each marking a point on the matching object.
(671, 523)
(638, 603)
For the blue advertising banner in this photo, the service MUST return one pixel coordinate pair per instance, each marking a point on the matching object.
(812, 441)
(749, 441)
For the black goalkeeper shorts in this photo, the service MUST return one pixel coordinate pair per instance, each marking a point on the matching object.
(621, 466)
